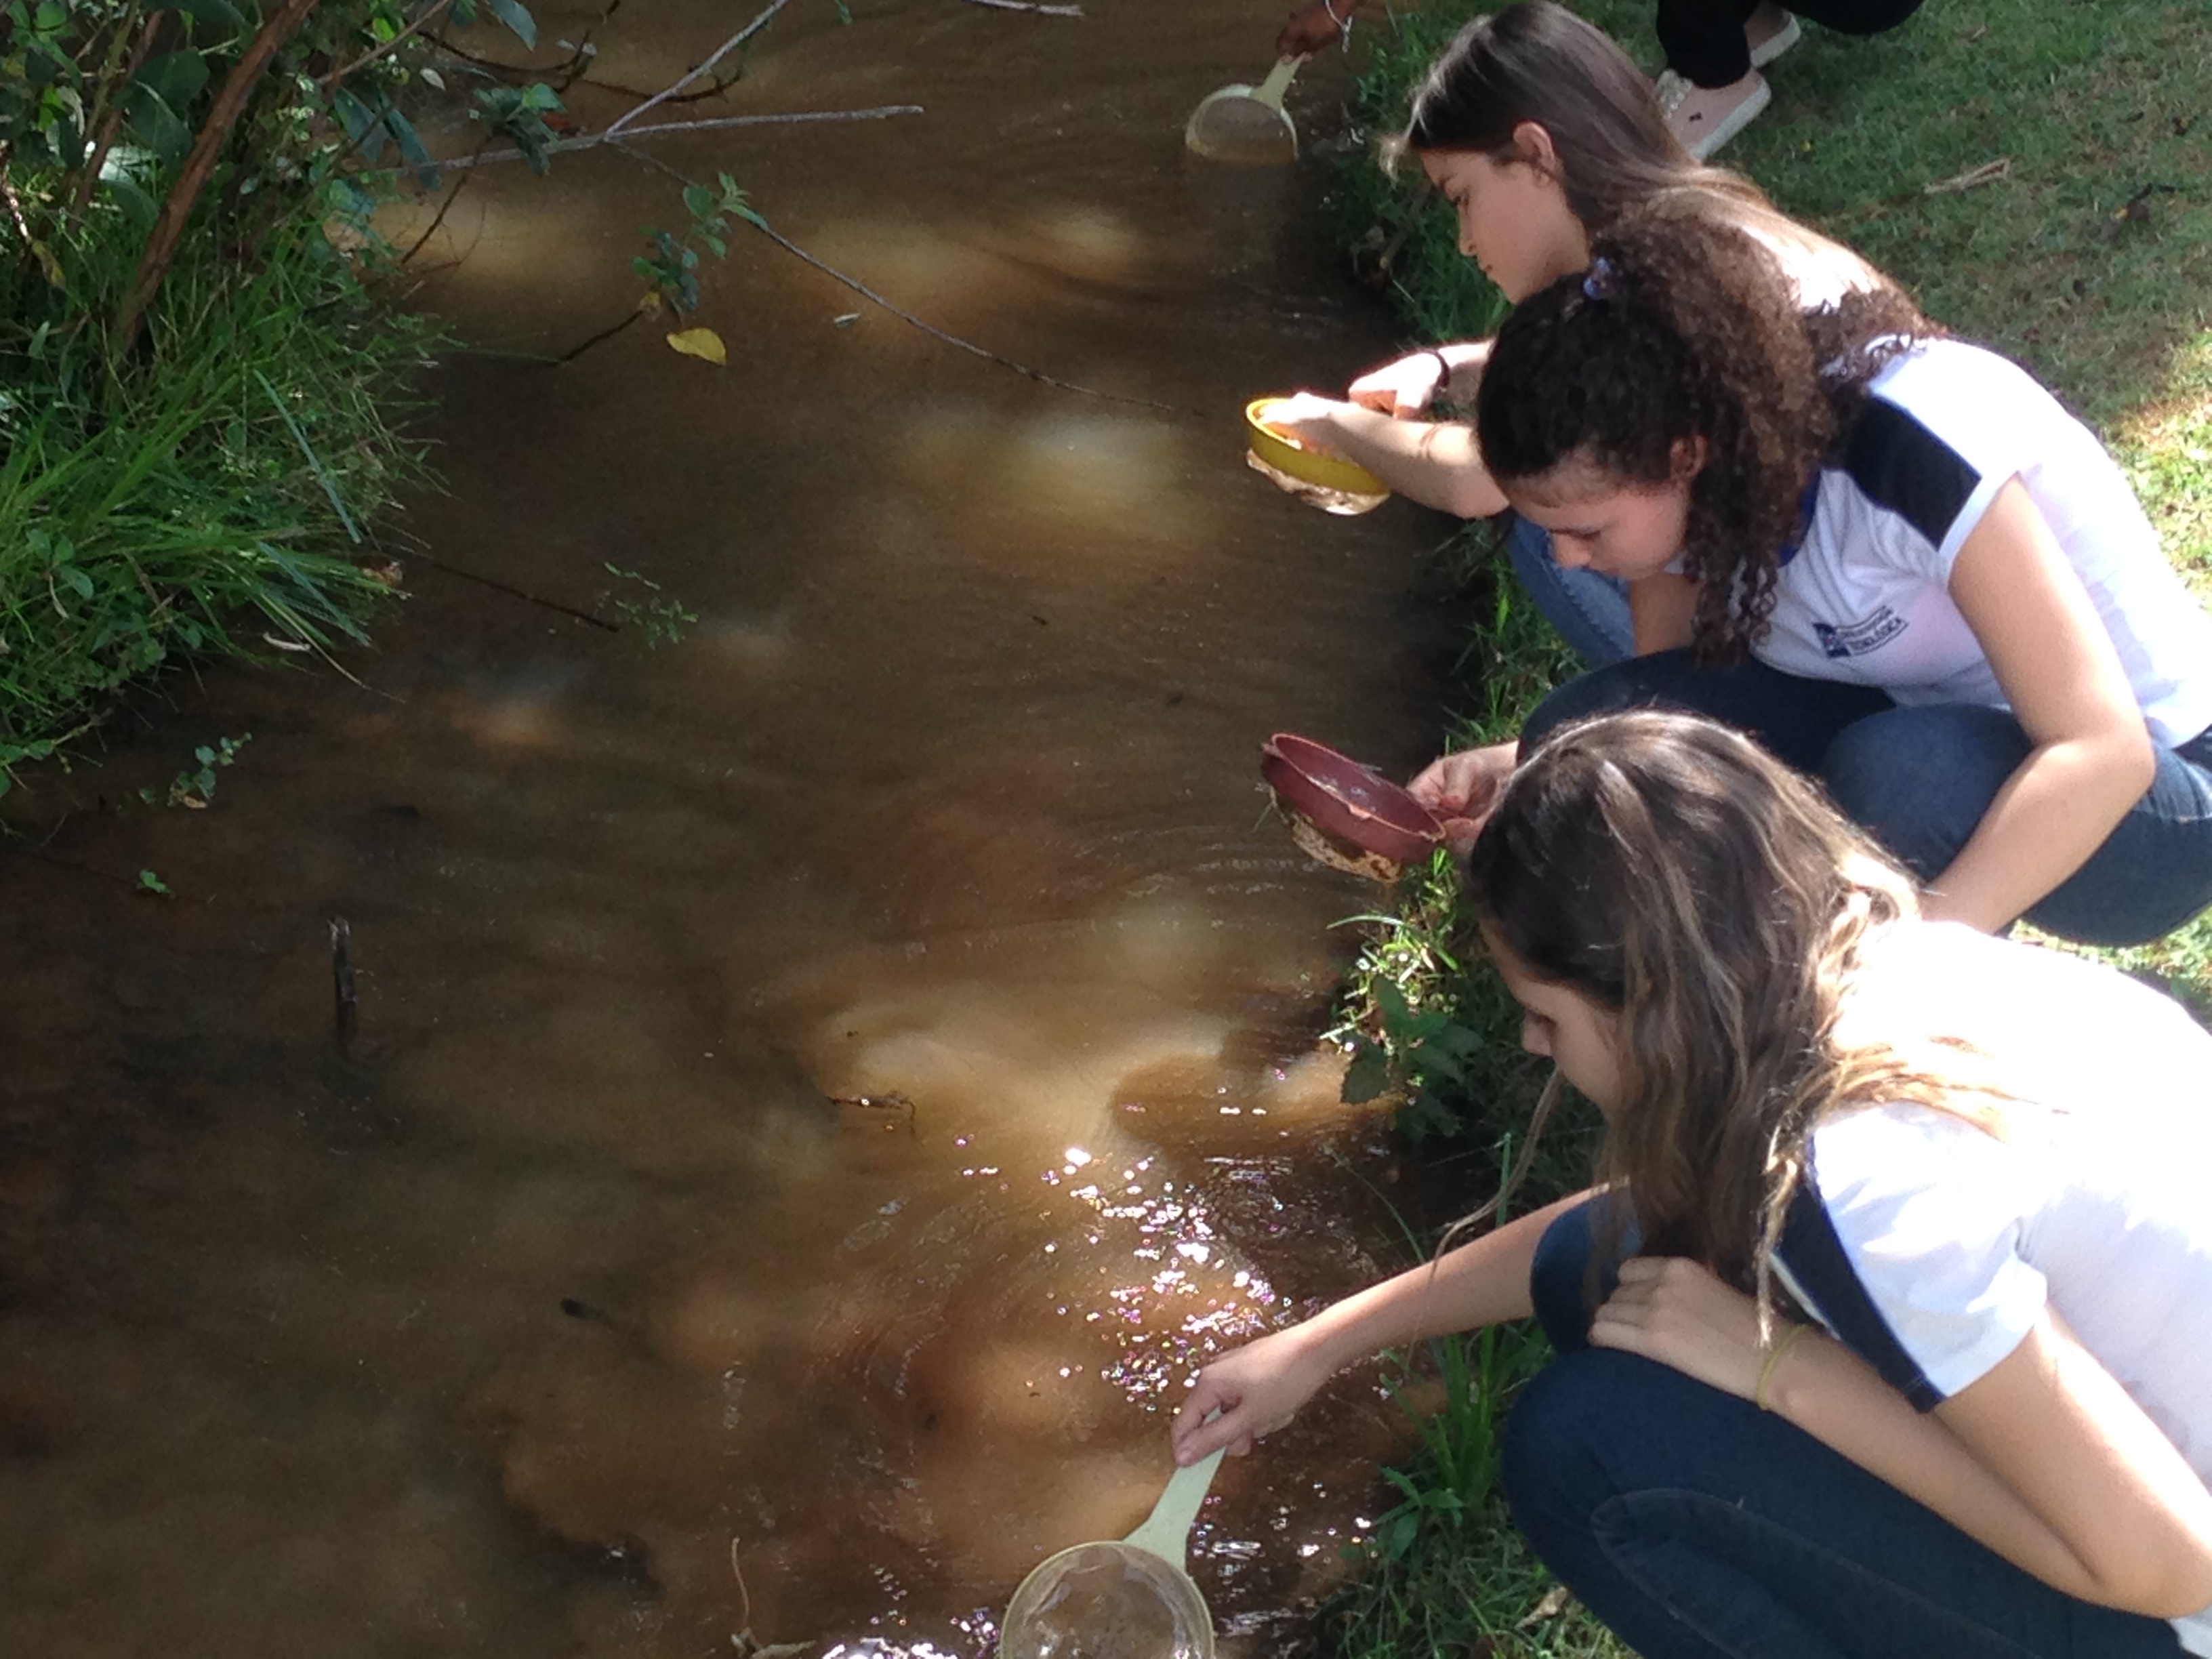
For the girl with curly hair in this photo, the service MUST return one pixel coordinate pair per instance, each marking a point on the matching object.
(1892, 557)
(1540, 133)
(1885, 1332)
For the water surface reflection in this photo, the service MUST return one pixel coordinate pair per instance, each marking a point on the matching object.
(821, 1085)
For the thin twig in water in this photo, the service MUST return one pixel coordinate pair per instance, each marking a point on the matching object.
(902, 313)
(719, 53)
(444, 208)
(517, 592)
(608, 136)
(1029, 5)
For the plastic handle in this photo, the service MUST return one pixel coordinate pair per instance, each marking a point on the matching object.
(1166, 1531)
(1270, 91)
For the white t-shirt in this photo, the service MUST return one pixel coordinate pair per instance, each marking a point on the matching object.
(2095, 1203)
(1866, 598)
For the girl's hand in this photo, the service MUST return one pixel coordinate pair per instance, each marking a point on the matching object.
(1310, 27)
(1257, 1388)
(1681, 1314)
(1310, 419)
(1461, 787)
(1405, 388)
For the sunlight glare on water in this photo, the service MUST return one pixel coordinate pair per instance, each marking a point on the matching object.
(823, 1083)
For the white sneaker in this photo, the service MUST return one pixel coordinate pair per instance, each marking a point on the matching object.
(1779, 37)
(1706, 118)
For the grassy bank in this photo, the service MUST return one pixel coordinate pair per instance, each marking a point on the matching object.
(203, 504)
(198, 385)
(2085, 250)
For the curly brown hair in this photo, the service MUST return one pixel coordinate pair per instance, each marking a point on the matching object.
(1687, 331)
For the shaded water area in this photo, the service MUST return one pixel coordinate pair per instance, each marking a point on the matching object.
(821, 1085)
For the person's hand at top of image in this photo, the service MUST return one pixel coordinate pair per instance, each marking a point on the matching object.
(1324, 23)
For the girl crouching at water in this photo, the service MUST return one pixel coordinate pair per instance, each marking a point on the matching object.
(1891, 1331)
(1542, 134)
(1894, 559)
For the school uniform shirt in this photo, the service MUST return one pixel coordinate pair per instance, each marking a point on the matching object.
(1865, 598)
(1931, 1246)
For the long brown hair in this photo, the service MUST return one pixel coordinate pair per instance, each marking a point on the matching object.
(1668, 869)
(1537, 62)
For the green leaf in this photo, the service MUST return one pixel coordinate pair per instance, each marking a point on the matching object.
(205, 11)
(359, 122)
(540, 99)
(1367, 1075)
(411, 146)
(698, 200)
(150, 882)
(155, 124)
(137, 206)
(177, 77)
(75, 580)
(517, 17)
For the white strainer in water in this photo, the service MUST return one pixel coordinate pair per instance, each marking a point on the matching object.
(1125, 1599)
(1246, 124)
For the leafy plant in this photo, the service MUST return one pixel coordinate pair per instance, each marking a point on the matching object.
(195, 788)
(661, 616)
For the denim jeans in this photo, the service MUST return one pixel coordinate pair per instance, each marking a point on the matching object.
(1590, 610)
(1699, 1527)
(1919, 780)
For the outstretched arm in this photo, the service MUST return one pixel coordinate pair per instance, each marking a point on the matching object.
(1260, 1386)
(1436, 463)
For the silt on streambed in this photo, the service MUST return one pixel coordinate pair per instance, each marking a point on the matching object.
(491, 1332)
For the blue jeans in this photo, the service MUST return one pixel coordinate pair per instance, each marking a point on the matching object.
(1699, 1527)
(1590, 610)
(1919, 780)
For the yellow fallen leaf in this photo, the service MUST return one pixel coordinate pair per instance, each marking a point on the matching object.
(700, 343)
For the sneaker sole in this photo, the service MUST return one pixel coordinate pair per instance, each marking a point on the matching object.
(1777, 43)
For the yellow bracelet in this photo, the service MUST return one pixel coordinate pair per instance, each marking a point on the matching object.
(1773, 1359)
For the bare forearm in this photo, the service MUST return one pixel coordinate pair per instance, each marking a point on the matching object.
(2049, 819)
(1480, 1283)
(1835, 1397)
(1436, 463)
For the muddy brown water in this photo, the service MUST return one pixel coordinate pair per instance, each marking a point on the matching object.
(821, 1086)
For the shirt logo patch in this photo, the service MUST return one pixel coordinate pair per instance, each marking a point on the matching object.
(1856, 639)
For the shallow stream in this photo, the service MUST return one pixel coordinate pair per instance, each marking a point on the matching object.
(820, 1084)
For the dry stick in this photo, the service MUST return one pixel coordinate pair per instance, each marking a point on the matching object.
(105, 120)
(720, 53)
(342, 985)
(902, 313)
(177, 207)
(608, 136)
(444, 208)
(583, 346)
(1029, 5)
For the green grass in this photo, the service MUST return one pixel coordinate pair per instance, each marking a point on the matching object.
(2090, 259)
(201, 497)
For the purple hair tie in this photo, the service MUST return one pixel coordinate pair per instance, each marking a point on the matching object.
(1597, 283)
